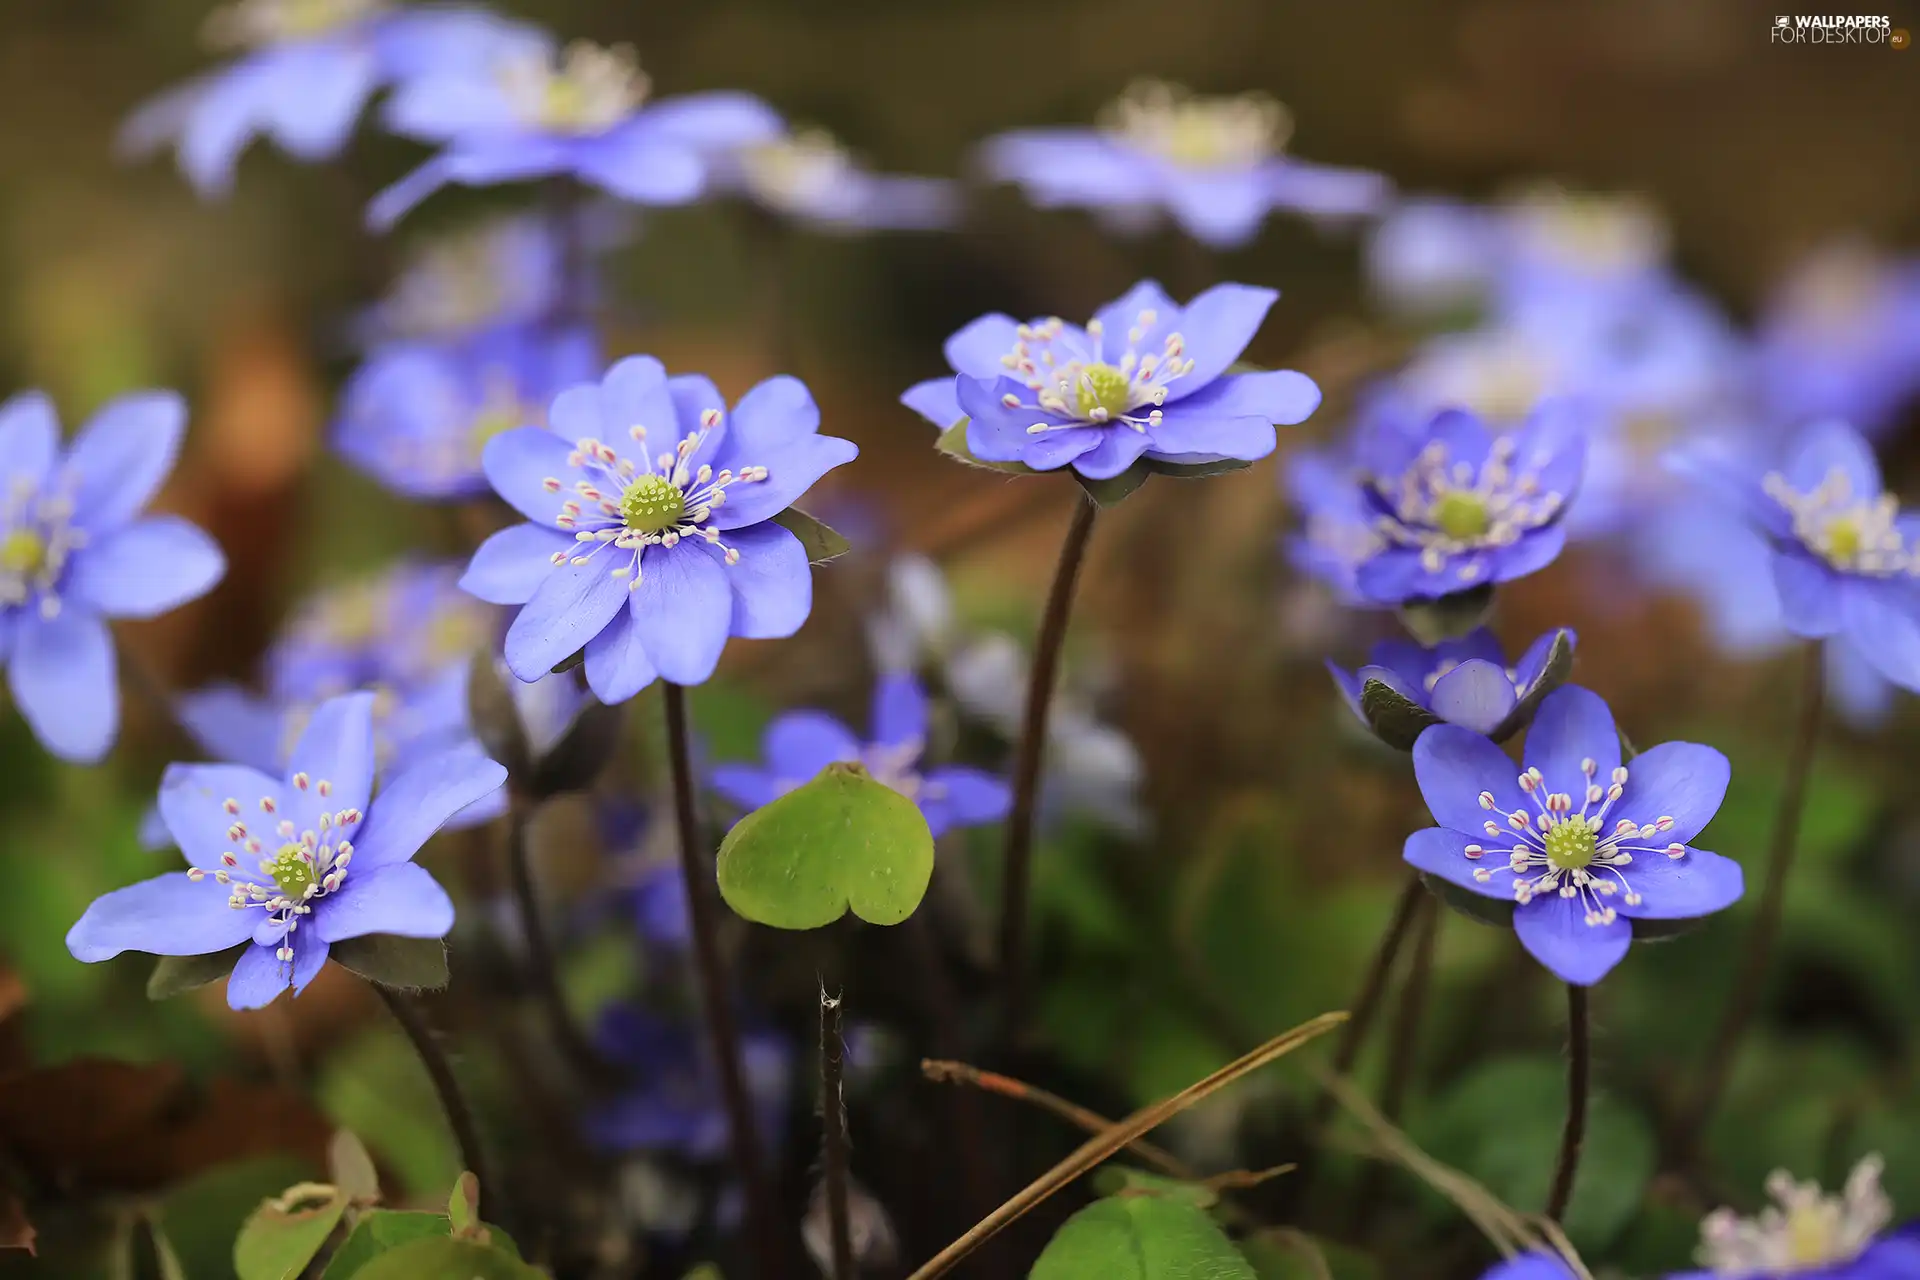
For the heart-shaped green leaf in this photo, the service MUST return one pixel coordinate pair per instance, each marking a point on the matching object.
(1135, 1236)
(175, 974)
(444, 1258)
(842, 840)
(953, 443)
(405, 964)
(378, 1231)
(822, 541)
(285, 1234)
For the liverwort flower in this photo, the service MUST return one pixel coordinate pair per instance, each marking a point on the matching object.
(798, 745)
(530, 113)
(1146, 377)
(1809, 1236)
(417, 415)
(1455, 506)
(651, 533)
(680, 1108)
(310, 68)
(1537, 1265)
(1844, 559)
(74, 553)
(295, 863)
(807, 175)
(1588, 849)
(1841, 339)
(1466, 682)
(504, 272)
(1217, 165)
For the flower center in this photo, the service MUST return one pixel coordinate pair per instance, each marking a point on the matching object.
(1569, 845)
(794, 172)
(1071, 379)
(1461, 515)
(309, 864)
(1854, 534)
(591, 90)
(1103, 390)
(652, 504)
(292, 869)
(23, 553)
(1199, 133)
(1803, 1230)
(1449, 509)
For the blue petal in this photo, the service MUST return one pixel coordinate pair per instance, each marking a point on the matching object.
(773, 415)
(1475, 695)
(1056, 449)
(1531, 1266)
(402, 899)
(800, 744)
(1453, 766)
(772, 582)
(637, 164)
(617, 663)
(1118, 320)
(792, 469)
(1478, 643)
(693, 396)
(995, 433)
(1217, 327)
(712, 122)
(1065, 167)
(569, 609)
(509, 566)
(1325, 191)
(122, 455)
(1533, 663)
(168, 915)
(1464, 437)
(418, 803)
(936, 400)
(1825, 447)
(192, 803)
(969, 797)
(1411, 662)
(260, 976)
(1118, 448)
(1350, 686)
(520, 461)
(1860, 694)
(899, 710)
(1697, 883)
(1222, 209)
(219, 119)
(1412, 692)
(1186, 434)
(64, 683)
(1680, 780)
(1556, 931)
(337, 746)
(1280, 396)
(744, 785)
(1883, 621)
(317, 95)
(147, 568)
(634, 393)
(29, 440)
(1441, 852)
(976, 349)
(682, 609)
(1392, 576)
(1573, 724)
(1534, 552)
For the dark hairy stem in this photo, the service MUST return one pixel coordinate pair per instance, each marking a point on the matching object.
(473, 1153)
(542, 970)
(833, 1122)
(1747, 990)
(1579, 1069)
(964, 1120)
(1403, 1038)
(1016, 866)
(723, 1037)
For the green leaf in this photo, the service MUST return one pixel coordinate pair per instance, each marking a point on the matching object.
(378, 1231)
(285, 1234)
(842, 840)
(175, 974)
(202, 1216)
(1395, 719)
(1195, 470)
(823, 542)
(953, 443)
(1116, 1179)
(463, 1206)
(351, 1168)
(1140, 1237)
(1115, 489)
(445, 1259)
(407, 964)
(1448, 617)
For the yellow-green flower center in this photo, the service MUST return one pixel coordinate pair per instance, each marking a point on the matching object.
(1844, 538)
(290, 870)
(1810, 1234)
(1461, 516)
(652, 504)
(1105, 388)
(23, 552)
(1570, 845)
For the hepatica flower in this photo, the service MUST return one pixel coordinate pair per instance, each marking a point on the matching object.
(1456, 506)
(417, 415)
(503, 272)
(1466, 682)
(651, 535)
(1588, 849)
(1217, 165)
(286, 866)
(1810, 1236)
(1538, 1265)
(800, 744)
(809, 176)
(1841, 339)
(309, 68)
(528, 115)
(1146, 377)
(680, 1107)
(74, 553)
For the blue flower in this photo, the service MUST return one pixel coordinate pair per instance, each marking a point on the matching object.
(1810, 1236)
(1841, 339)
(527, 115)
(73, 554)
(313, 66)
(297, 863)
(680, 1108)
(1587, 848)
(1337, 524)
(505, 272)
(1145, 377)
(809, 176)
(1215, 164)
(800, 744)
(1456, 506)
(651, 535)
(1843, 559)
(417, 415)
(1538, 1265)
(1465, 682)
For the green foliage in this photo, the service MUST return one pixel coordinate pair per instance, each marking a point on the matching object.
(822, 541)
(840, 841)
(445, 1259)
(404, 964)
(175, 974)
(379, 1231)
(1114, 490)
(1153, 1230)
(375, 1086)
(287, 1233)
(202, 1216)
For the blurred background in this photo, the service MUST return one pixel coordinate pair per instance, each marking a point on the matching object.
(1234, 874)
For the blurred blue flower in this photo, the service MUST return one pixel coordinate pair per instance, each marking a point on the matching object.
(1843, 560)
(504, 272)
(1145, 377)
(1841, 339)
(74, 554)
(417, 415)
(1217, 165)
(799, 744)
(808, 176)
(312, 66)
(650, 552)
(1337, 525)
(1465, 681)
(679, 1107)
(1434, 256)
(1582, 839)
(1456, 506)
(1539, 1265)
(1809, 1236)
(530, 114)
(279, 854)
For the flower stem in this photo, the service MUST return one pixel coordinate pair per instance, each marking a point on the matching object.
(723, 1038)
(833, 1120)
(542, 970)
(473, 1155)
(1745, 1001)
(1016, 866)
(1403, 1040)
(1574, 1136)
